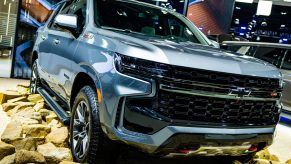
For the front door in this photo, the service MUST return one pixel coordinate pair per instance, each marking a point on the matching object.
(64, 42)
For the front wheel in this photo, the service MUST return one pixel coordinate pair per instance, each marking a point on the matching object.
(88, 142)
(34, 79)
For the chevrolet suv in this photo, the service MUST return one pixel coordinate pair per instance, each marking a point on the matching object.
(120, 71)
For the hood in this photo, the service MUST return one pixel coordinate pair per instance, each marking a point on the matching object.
(188, 54)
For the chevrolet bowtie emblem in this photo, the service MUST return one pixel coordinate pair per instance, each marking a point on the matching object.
(240, 92)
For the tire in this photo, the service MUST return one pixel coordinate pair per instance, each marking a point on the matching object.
(88, 141)
(34, 79)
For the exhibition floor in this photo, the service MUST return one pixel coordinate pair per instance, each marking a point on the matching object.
(281, 146)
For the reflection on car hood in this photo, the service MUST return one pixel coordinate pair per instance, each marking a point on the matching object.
(188, 54)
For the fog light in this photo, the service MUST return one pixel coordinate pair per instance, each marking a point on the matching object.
(274, 94)
(184, 151)
(253, 149)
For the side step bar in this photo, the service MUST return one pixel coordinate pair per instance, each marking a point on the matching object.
(61, 113)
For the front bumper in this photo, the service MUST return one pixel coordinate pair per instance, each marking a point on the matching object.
(199, 141)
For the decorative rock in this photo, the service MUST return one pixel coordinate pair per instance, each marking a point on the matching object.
(36, 130)
(12, 132)
(6, 95)
(22, 90)
(274, 158)
(39, 106)
(68, 162)
(29, 144)
(50, 117)
(263, 154)
(20, 106)
(25, 104)
(22, 98)
(54, 155)
(35, 98)
(8, 159)
(12, 112)
(29, 113)
(24, 156)
(25, 121)
(236, 162)
(8, 106)
(6, 149)
(58, 136)
(54, 123)
(263, 161)
(44, 112)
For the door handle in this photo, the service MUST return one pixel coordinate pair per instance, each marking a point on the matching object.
(56, 41)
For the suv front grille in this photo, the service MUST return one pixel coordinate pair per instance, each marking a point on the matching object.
(207, 97)
(180, 107)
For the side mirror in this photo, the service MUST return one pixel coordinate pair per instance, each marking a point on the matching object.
(67, 21)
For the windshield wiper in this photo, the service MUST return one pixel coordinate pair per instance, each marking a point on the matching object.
(121, 30)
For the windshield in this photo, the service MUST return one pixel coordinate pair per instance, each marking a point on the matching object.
(126, 17)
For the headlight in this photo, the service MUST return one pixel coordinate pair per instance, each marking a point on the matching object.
(131, 65)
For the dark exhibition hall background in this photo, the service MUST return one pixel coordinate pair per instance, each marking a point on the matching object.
(19, 21)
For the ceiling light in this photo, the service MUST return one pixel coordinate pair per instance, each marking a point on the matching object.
(246, 1)
(287, 0)
(264, 8)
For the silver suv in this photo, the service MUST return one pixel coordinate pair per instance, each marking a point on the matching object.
(129, 72)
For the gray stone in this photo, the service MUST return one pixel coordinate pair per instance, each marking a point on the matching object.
(18, 99)
(6, 149)
(36, 130)
(58, 136)
(29, 144)
(10, 159)
(8, 106)
(7, 95)
(13, 131)
(25, 156)
(53, 154)
(35, 98)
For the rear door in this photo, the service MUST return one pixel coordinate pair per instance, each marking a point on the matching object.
(64, 43)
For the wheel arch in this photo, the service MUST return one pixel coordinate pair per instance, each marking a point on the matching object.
(82, 79)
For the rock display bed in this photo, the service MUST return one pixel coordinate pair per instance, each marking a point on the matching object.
(34, 133)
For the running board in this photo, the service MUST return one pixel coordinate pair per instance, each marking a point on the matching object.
(61, 113)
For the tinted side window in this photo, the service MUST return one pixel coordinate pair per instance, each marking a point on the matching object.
(287, 61)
